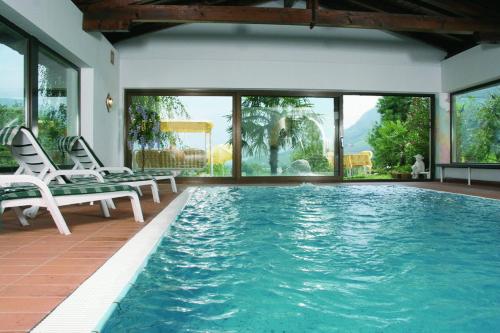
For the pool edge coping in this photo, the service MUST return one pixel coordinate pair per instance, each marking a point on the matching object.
(91, 304)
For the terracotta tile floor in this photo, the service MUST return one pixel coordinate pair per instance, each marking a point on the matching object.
(39, 267)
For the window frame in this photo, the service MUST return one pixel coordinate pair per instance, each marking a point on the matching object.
(452, 131)
(337, 102)
(31, 82)
(129, 93)
(236, 95)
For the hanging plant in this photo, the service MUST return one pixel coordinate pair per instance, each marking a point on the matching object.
(144, 130)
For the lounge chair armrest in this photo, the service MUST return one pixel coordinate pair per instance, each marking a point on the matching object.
(24, 179)
(60, 173)
(115, 169)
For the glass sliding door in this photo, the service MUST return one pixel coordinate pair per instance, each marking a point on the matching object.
(384, 134)
(194, 134)
(288, 136)
(53, 111)
(13, 64)
(58, 102)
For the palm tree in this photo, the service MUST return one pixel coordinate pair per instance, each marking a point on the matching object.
(270, 123)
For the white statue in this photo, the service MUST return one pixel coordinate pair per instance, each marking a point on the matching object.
(418, 167)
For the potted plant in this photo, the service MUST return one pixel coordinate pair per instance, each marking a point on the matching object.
(144, 130)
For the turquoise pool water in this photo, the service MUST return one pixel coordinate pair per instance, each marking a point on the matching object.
(321, 259)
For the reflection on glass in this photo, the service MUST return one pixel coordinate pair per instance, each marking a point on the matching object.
(13, 48)
(383, 134)
(476, 126)
(287, 136)
(57, 103)
(197, 135)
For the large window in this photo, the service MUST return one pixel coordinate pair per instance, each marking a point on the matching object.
(384, 134)
(26, 65)
(13, 64)
(287, 136)
(57, 102)
(251, 136)
(476, 125)
(192, 134)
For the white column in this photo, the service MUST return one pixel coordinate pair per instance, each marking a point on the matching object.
(87, 104)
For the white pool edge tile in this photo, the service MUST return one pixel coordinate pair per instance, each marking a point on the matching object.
(87, 307)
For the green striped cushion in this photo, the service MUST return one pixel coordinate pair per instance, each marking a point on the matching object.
(7, 134)
(113, 178)
(154, 173)
(65, 144)
(125, 177)
(22, 192)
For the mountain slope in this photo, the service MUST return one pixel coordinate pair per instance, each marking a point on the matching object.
(356, 136)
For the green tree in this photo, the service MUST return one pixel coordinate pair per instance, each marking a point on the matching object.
(145, 130)
(388, 141)
(418, 130)
(270, 123)
(484, 139)
(311, 147)
(52, 126)
(403, 131)
(10, 115)
(167, 107)
(394, 107)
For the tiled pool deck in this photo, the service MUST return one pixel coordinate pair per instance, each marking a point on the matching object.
(39, 268)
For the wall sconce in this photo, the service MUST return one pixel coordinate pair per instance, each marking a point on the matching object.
(109, 102)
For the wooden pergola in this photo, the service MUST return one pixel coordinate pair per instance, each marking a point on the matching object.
(451, 25)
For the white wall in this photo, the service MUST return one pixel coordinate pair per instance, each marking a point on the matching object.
(278, 57)
(480, 64)
(475, 66)
(58, 24)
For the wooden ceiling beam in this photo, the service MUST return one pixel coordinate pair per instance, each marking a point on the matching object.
(138, 30)
(450, 43)
(417, 8)
(457, 7)
(106, 5)
(107, 20)
(487, 38)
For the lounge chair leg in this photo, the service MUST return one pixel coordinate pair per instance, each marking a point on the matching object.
(31, 212)
(139, 190)
(136, 207)
(155, 192)
(104, 208)
(111, 203)
(57, 216)
(173, 185)
(20, 216)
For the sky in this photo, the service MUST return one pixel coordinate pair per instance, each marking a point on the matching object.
(12, 69)
(355, 106)
(207, 108)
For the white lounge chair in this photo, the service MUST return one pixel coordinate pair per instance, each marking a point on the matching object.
(84, 157)
(33, 160)
(25, 190)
